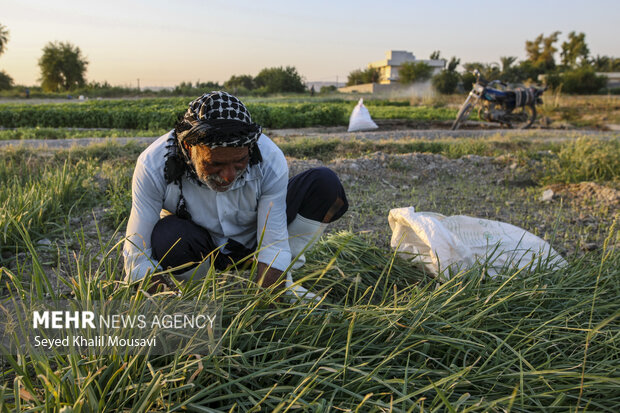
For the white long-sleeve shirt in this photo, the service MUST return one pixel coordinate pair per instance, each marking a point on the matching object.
(256, 201)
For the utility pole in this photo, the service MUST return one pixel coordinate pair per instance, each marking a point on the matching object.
(138, 84)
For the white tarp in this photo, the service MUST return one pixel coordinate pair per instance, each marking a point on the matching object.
(360, 118)
(458, 242)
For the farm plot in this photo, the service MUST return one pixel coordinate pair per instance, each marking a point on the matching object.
(386, 338)
(157, 114)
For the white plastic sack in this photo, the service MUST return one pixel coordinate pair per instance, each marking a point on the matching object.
(457, 242)
(360, 118)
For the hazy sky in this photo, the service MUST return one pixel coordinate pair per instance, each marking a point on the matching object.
(165, 42)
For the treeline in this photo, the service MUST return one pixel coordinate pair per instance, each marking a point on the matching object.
(268, 81)
(63, 69)
(576, 71)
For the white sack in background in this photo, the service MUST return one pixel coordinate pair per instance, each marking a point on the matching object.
(459, 241)
(360, 118)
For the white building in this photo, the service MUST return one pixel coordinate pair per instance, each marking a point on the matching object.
(388, 67)
(613, 78)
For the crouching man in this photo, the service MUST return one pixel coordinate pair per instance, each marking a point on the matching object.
(217, 181)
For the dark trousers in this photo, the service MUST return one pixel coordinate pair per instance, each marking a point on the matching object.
(315, 194)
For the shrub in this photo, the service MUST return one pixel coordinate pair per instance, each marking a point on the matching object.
(468, 79)
(328, 89)
(446, 82)
(582, 81)
(553, 80)
(359, 77)
(410, 72)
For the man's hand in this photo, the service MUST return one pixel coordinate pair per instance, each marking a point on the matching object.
(160, 283)
(268, 276)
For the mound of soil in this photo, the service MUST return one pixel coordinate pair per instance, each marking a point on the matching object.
(588, 193)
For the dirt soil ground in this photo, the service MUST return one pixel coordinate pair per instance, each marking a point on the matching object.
(576, 218)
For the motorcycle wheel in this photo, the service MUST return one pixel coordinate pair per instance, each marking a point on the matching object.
(523, 117)
(463, 114)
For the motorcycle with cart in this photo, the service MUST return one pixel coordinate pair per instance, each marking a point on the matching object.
(512, 107)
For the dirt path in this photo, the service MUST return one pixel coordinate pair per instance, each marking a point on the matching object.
(339, 132)
(67, 143)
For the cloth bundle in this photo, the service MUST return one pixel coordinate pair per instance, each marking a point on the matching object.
(524, 96)
(458, 242)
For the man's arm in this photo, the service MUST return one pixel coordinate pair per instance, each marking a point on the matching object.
(147, 200)
(274, 250)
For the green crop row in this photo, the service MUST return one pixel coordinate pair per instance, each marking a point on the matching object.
(147, 115)
(151, 114)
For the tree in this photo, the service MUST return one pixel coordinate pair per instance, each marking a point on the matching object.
(606, 64)
(191, 89)
(355, 78)
(6, 81)
(540, 51)
(207, 86)
(62, 67)
(511, 73)
(4, 38)
(575, 48)
(488, 71)
(506, 62)
(447, 80)
(410, 72)
(280, 80)
(471, 66)
(359, 77)
(239, 82)
(453, 64)
(436, 55)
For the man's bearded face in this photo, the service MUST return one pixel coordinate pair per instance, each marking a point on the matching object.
(219, 168)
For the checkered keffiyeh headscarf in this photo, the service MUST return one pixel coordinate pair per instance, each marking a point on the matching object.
(218, 119)
(215, 119)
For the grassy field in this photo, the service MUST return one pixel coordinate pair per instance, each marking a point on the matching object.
(582, 111)
(383, 340)
(386, 337)
(58, 119)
